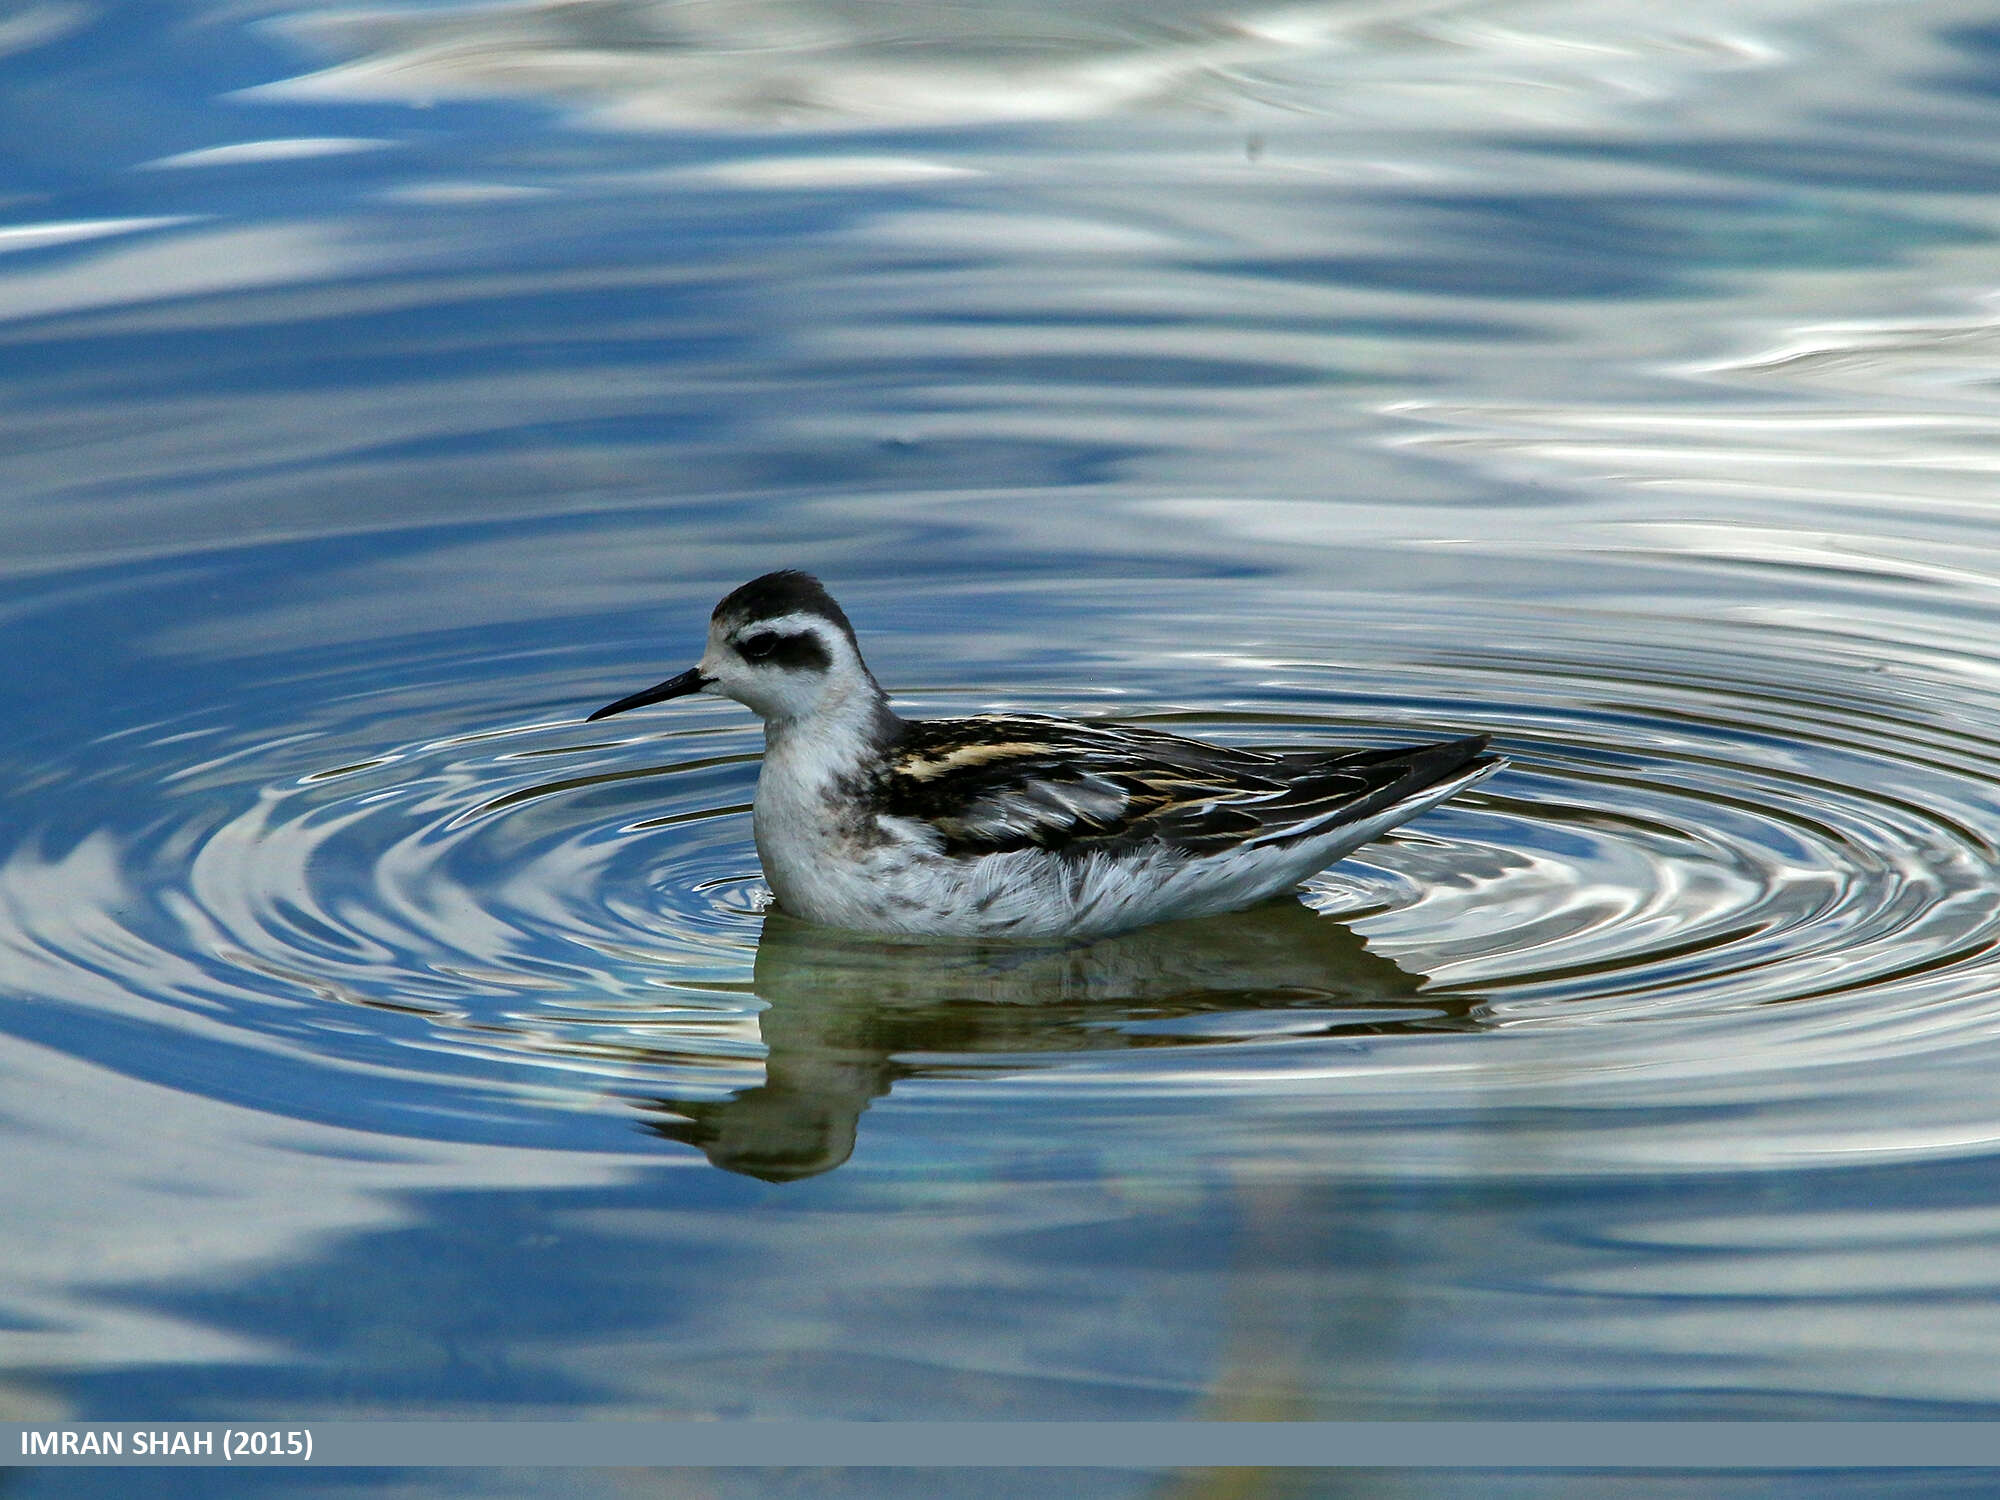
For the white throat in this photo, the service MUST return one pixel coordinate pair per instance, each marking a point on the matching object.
(832, 739)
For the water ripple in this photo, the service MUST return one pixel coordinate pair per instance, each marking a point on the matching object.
(1699, 868)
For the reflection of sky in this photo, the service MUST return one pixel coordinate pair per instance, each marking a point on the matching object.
(1162, 318)
(778, 62)
(128, 1184)
(304, 1269)
(1310, 340)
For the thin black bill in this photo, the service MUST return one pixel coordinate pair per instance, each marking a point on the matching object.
(690, 681)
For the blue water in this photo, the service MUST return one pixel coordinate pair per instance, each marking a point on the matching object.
(382, 391)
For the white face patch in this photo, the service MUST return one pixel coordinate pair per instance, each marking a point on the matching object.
(785, 668)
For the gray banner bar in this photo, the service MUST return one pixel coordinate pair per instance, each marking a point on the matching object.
(1121, 1445)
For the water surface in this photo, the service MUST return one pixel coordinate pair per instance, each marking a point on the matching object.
(380, 391)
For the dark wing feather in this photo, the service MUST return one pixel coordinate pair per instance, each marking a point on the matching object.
(1326, 790)
(1017, 781)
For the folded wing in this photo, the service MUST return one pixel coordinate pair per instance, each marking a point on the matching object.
(1004, 782)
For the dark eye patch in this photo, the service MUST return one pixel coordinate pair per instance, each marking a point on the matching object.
(802, 649)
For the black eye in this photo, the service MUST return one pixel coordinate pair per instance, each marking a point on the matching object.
(759, 646)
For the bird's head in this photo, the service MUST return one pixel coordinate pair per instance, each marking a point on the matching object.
(780, 646)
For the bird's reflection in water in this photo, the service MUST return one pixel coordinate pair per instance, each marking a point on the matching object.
(850, 1015)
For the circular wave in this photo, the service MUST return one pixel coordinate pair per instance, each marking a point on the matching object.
(1713, 845)
(1710, 869)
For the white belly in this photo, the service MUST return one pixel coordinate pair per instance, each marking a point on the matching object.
(894, 881)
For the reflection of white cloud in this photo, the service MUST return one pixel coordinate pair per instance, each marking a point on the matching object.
(829, 171)
(645, 64)
(75, 231)
(1858, 452)
(294, 148)
(179, 265)
(37, 25)
(1721, 1272)
(460, 194)
(221, 1190)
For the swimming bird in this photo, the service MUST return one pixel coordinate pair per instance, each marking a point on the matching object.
(1020, 825)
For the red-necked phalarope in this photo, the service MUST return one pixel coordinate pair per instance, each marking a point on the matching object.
(1020, 825)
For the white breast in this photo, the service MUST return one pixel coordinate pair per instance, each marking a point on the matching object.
(824, 857)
